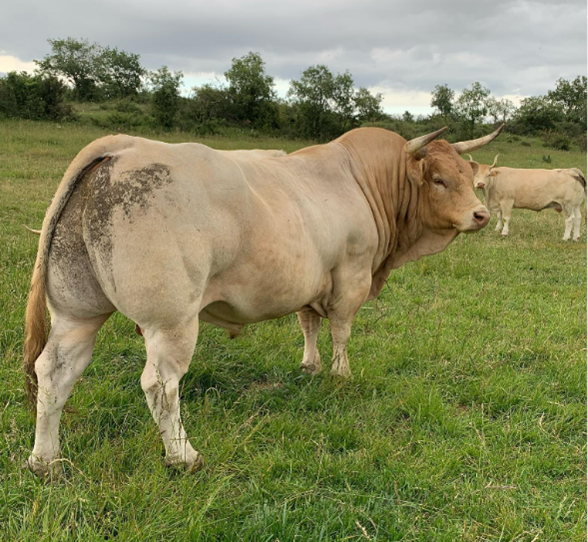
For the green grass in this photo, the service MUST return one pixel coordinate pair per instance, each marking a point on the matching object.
(465, 418)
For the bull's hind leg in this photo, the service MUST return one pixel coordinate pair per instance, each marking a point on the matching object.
(169, 352)
(64, 358)
(310, 322)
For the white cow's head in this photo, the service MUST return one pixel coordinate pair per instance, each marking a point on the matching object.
(483, 174)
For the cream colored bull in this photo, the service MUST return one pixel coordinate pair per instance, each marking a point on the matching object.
(535, 189)
(173, 234)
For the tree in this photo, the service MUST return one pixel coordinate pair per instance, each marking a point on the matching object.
(327, 105)
(537, 114)
(78, 62)
(367, 106)
(471, 106)
(571, 97)
(313, 96)
(493, 106)
(506, 109)
(407, 116)
(206, 107)
(120, 73)
(442, 100)
(166, 96)
(251, 91)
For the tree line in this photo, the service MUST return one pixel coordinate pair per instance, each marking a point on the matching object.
(320, 105)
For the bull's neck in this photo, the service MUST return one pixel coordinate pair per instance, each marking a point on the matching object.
(378, 163)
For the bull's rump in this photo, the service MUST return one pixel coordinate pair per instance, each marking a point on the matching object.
(172, 230)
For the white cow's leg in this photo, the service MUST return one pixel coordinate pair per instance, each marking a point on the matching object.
(310, 323)
(569, 214)
(577, 222)
(64, 358)
(506, 208)
(499, 223)
(169, 353)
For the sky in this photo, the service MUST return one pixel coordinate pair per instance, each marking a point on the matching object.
(400, 48)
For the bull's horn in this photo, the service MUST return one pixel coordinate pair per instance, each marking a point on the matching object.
(418, 143)
(474, 144)
(470, 157)
(495, 160)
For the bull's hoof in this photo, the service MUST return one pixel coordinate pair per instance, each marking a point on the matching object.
(312, 367)
(340, 371)
(189, 465)
(46, 470)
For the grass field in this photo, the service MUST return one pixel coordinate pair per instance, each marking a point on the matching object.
(465, 418)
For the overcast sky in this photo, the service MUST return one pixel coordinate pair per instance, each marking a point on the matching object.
(401, 48)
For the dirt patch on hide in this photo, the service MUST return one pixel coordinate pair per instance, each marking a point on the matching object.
(131, 193)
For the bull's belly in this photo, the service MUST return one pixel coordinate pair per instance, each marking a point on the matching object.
(232, 304)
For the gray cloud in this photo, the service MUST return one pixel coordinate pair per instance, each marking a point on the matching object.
(512, 46)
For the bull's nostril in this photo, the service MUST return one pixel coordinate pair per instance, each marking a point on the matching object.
(481, 216)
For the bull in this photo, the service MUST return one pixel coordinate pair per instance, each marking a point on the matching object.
(171, 235)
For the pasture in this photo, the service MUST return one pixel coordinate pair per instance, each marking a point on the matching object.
(465, 418)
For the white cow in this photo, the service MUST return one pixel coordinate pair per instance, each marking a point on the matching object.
(537, 189)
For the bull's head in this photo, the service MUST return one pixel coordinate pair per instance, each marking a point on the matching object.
(483, 174)
(446, 195)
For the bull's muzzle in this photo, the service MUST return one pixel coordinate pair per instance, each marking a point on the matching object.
(481, 217)
(480, 185)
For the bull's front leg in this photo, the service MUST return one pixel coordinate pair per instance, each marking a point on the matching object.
(340, 332)
(310, 322)
(350, 295)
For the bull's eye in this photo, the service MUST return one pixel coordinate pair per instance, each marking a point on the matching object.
(440, 182)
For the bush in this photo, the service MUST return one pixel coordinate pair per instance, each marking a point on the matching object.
(581, 142)
(33, 97)
(127, 106)
(556, 140)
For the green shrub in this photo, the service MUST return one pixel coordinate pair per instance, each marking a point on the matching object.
(128, 106)
(33, 97)
(556, 140)
(581, 142)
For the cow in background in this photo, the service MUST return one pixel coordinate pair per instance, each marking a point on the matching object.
(506, 188)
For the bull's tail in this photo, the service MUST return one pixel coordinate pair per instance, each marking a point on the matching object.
(36, 319)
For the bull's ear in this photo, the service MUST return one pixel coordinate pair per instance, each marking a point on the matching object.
(475, 166)
(494, 173)
(415, 169)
